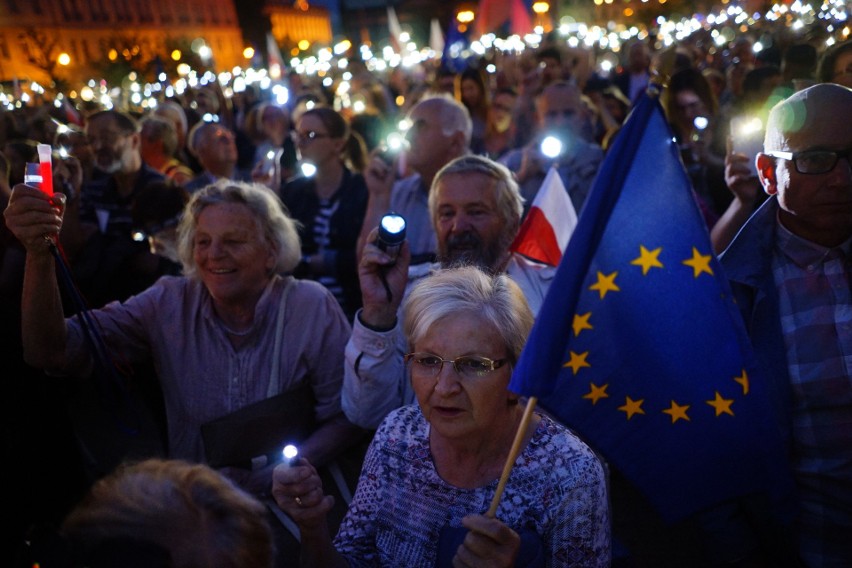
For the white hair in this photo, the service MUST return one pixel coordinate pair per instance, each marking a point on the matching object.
(276, 226)
(469, 290)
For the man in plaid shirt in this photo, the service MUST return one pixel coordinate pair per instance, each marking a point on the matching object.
(790, 271)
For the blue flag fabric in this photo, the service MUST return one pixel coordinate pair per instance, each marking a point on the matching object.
(639, 347)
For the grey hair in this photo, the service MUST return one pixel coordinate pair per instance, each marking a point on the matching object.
(173, 109)
(277, 227)
(196, 135)
(154, 127)
(469, 290)
(510, 203)
(454, 116)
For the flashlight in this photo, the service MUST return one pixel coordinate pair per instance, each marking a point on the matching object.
(551, 146)
(700, 123)
(290, 454)
(387, 154)
(391, 234)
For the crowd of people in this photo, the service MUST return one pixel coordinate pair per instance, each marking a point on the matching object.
(215, 256)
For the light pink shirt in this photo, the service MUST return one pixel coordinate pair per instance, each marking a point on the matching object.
(202, 376)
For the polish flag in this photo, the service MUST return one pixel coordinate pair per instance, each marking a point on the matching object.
(548, 226)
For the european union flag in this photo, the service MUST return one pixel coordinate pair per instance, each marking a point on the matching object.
(639, 347)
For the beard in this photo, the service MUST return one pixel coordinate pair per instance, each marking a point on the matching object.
(108, 164)
(468, 249)
(502, 124)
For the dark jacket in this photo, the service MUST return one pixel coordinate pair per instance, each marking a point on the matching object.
(301, 199)
(748, 265)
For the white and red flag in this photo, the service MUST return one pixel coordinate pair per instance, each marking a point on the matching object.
(547, 228)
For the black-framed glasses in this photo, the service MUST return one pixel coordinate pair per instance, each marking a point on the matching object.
(141, 234)
(472, 366)
(813, 161)
(308, 136)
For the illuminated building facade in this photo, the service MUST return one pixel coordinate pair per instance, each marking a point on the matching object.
(297, 22)
(42, 40)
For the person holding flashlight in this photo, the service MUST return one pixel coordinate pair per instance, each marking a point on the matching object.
(433, 466)
(440, 131)
(212, 335)
(476, 208)
(560, 115)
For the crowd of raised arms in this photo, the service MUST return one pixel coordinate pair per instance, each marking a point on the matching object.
(211, 280)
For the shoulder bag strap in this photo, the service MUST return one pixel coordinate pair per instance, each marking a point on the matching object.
(279, 334)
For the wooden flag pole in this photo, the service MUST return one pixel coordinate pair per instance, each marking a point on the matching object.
(513, 454)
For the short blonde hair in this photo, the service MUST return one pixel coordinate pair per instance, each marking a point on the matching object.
(190, 512)
(469, 290)
(277, 227)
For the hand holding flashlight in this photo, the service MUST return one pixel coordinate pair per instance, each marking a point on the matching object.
(383, 272)
(391, 234)
(390, 239)
(290, 453)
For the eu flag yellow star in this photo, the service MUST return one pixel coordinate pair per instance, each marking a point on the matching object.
(648, 259)
(596, 393)
(632, 407)
(677, 412)
(743, 380)
(699, 262)
(581, 322)
(577, 361)
(606, 283)
(722, 405)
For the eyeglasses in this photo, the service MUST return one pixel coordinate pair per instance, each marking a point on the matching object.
(813, 161)
(140, 234)
(308, 136)
(469, 366)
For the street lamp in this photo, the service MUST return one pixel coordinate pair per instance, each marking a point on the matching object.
(465, 16)
(542, 20)
(63, 59)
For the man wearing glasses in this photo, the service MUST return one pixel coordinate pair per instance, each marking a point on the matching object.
(790, 271)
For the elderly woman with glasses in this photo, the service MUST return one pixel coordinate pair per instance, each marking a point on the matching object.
(433, 467)
(213, 335)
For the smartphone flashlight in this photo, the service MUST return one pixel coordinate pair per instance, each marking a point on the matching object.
(308, 169)
(551, 146)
